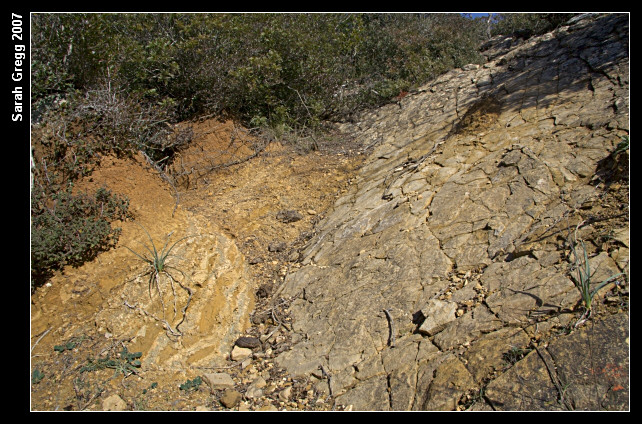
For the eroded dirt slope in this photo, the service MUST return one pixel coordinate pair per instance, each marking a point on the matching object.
(244, 224)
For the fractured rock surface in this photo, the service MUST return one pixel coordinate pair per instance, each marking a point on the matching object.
(463, 208)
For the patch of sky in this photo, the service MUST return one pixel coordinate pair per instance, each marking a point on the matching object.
(475, 15)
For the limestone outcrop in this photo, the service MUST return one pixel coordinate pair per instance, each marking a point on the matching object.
(450, 252)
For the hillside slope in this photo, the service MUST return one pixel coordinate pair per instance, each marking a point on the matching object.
(423, 259)
(451, 256)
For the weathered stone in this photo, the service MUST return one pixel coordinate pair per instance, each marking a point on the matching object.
(437, 313)
(369, 395)
(560, 377)
(248, 342)
(240, 353)
(520, 299)
(622, 235)
(524, 387)
(601, 383)
(212, 318)
(467, 328)
(253, 392)
(259, 383)
(277, 246)
(487, 353)
(268, 407)
(114, 403)
(218, 380)
(451, 381)
(284, 395)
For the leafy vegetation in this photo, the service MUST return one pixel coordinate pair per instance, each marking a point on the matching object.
(69, 228)
(36, 376)
(192, 384)
(514, 355)
(128, 363)
(151, 387)
(283, 69)
(526, 25)
(70, 345)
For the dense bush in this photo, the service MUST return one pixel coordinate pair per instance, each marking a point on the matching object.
(71, 228)
(528, 24)
(280, 69)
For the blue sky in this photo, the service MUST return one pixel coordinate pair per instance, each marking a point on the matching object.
(476, 15)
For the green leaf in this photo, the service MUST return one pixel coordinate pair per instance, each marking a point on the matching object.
(191, 384)
(36, 376)
(605, 282)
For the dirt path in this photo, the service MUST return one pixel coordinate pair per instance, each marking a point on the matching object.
(77, 319)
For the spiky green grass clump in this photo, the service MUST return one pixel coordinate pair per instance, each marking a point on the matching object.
(157, 266)
(582, 280)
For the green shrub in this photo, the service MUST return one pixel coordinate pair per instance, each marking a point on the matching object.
(36, 376)
(289, 68)
(71, 228)
(526, 25)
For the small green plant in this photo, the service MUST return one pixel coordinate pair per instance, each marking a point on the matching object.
(128, 363)
(582, 280)
(141, 401)
(151, 387)
(471, 398)
(36, 376)
(515, 354)
(622, 146)
(192, 384)
(70, 345)
(66, 346)
(157, 265)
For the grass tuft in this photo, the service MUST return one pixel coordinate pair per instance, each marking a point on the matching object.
(157, 266)
(582, 280)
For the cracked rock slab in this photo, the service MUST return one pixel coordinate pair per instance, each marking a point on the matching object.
(587, 370)
(478, 171)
